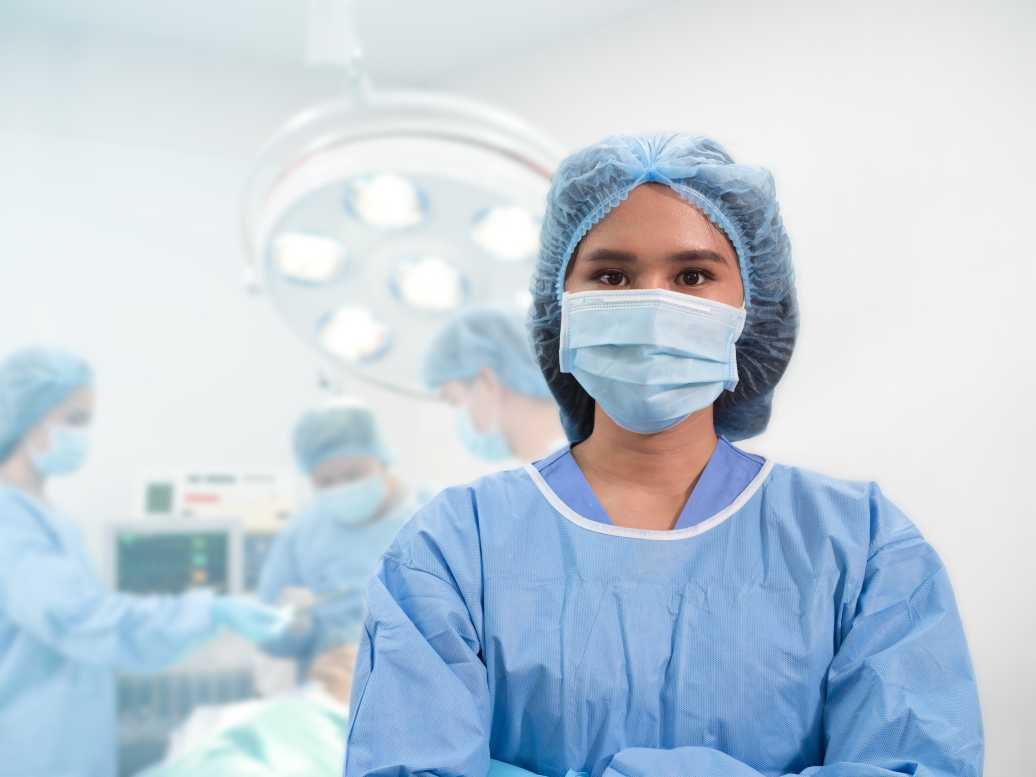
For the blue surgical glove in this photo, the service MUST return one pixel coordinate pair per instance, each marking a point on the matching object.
(254, 621)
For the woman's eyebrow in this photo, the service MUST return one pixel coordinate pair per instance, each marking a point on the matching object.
(699, 255)
(610, 255)
(626, 257)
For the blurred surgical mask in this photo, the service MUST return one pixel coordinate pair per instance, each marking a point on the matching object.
(66, 453)
(354, 502)
(490, 446)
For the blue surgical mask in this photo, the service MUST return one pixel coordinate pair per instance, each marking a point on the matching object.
(490, 446)
(67, 451)
(649, 358)
(354, 502)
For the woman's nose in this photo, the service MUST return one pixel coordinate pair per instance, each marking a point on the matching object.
(657, 280)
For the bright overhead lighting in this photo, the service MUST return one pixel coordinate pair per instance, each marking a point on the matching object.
(430, 284)
(308, 258)
(354, 334)
(508, 233)
(386, 200)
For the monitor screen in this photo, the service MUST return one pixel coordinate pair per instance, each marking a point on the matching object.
(172, 562)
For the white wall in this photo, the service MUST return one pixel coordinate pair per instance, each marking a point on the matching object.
(900, 136)
(900, 139)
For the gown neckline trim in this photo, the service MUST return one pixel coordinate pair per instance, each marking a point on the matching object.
(649, 534)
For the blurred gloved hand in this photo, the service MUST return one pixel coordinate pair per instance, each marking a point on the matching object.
(297, 603)
(296, 597)
(249, 618)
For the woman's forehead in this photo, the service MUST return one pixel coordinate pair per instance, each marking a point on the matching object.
(655, 220)
(345, 465)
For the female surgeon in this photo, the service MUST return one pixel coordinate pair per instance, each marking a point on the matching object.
(652, 600)
(63, 635)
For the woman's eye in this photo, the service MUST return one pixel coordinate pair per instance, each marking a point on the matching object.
(611, 278)
(692, 277)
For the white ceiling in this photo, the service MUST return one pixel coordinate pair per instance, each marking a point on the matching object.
(407, 41)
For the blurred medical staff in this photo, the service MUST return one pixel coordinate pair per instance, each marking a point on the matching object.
(482, 364)
(63, 634)
(331, 548)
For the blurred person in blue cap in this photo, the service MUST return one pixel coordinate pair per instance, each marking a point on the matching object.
(654, 600)
(321, 561)
(63, 634)
(482, 363)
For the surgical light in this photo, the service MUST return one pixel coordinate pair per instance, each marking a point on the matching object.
(386, 200)
(430, 284)
(354, 335)
(307, 258)
(508, 233)
(370, 219)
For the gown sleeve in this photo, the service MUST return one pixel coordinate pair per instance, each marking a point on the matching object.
(901, 691)
(280, 571)
(420, 699)
(48, 589)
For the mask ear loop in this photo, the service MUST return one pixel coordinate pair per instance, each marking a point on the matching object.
(497, 387)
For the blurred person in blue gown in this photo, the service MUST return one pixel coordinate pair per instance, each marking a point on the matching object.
(481, 363)
(63, 634)
(321, 561)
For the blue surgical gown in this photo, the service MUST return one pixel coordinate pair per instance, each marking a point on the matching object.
(725, 475)
(806, 628)
(62, 637)
(333, 560)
